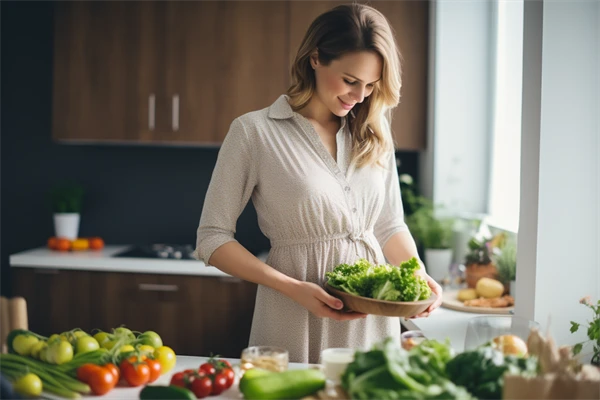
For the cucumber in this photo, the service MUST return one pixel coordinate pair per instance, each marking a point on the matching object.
(166, 393)
(251, 374)
(292, 384)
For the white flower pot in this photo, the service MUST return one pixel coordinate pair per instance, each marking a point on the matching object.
(66, 225)
(437, 263)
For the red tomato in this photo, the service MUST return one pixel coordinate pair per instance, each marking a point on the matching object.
(101, 380)
(219, 385)
(178, 379)
(136, 373)
(230, 375)
(114, 370)
(86, 370)
(221, 364)
(208, 369)
(155, 369)
(202, 387)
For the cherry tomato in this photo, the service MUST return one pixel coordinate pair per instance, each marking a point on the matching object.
(178, 379)
(155, 369)
(208, 369)
(135, 372)
(230, 375)
(202, 387)
(220, 364)
(219, 384)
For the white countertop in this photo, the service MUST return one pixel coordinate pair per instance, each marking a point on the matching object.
(443, 324)
(183, 363)
(103, 260)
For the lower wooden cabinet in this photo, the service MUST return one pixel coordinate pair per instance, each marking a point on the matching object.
(194, 315)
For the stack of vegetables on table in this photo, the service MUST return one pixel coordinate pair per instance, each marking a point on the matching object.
(73, 363)
(381, 282)
(431, 370)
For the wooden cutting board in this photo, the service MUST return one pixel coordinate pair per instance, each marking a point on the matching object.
(449, 300)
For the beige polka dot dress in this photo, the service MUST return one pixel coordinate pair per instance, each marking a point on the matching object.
(316, 212)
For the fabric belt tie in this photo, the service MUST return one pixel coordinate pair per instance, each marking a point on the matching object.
(364, 237)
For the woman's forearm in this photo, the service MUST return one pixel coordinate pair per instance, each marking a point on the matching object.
(401, 247)
(233, 259)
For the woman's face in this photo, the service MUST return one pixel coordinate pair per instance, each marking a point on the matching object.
(347, 80)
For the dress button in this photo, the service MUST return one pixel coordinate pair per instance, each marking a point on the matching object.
(347, 188)
(354, 210)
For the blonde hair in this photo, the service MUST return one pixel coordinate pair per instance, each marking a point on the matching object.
(339, 31)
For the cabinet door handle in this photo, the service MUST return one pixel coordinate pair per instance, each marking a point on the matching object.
(175, 115)
(155, 287)
(151, 111)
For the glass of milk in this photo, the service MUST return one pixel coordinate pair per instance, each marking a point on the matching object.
(334, 362)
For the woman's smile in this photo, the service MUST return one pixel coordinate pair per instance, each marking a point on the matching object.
(345, 105)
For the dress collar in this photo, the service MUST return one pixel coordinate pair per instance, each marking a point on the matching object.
(281, 109)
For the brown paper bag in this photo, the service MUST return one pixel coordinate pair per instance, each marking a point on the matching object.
(549, 386)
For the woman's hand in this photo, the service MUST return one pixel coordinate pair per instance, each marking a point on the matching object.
(435, 288)
(320, 303)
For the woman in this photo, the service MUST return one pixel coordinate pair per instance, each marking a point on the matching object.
(320, 168)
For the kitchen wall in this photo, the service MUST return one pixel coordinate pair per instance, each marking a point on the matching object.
(134, 194)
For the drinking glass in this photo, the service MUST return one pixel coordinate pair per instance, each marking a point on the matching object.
(271, 358)
(481, 330)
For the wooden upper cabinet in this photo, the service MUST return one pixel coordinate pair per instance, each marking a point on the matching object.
(165, 72)
(180, 72)
(226, 58)
(409, 19)
(97, 82)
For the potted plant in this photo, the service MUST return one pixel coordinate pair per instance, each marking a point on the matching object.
(506, 263)
(433, 233)
(478, 261)
(593, 330)
(66, 205)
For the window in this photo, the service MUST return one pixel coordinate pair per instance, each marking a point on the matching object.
(504, 191)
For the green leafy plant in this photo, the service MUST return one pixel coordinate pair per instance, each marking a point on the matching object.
(67, 198)
(506, 262)
(429, 230)
(593, 330)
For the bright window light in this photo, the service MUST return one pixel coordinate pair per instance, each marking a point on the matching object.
(504, 188)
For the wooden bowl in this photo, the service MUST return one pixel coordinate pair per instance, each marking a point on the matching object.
(366, 305)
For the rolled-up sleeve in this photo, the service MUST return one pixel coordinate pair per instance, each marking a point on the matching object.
(391, 218)
(231, 185)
